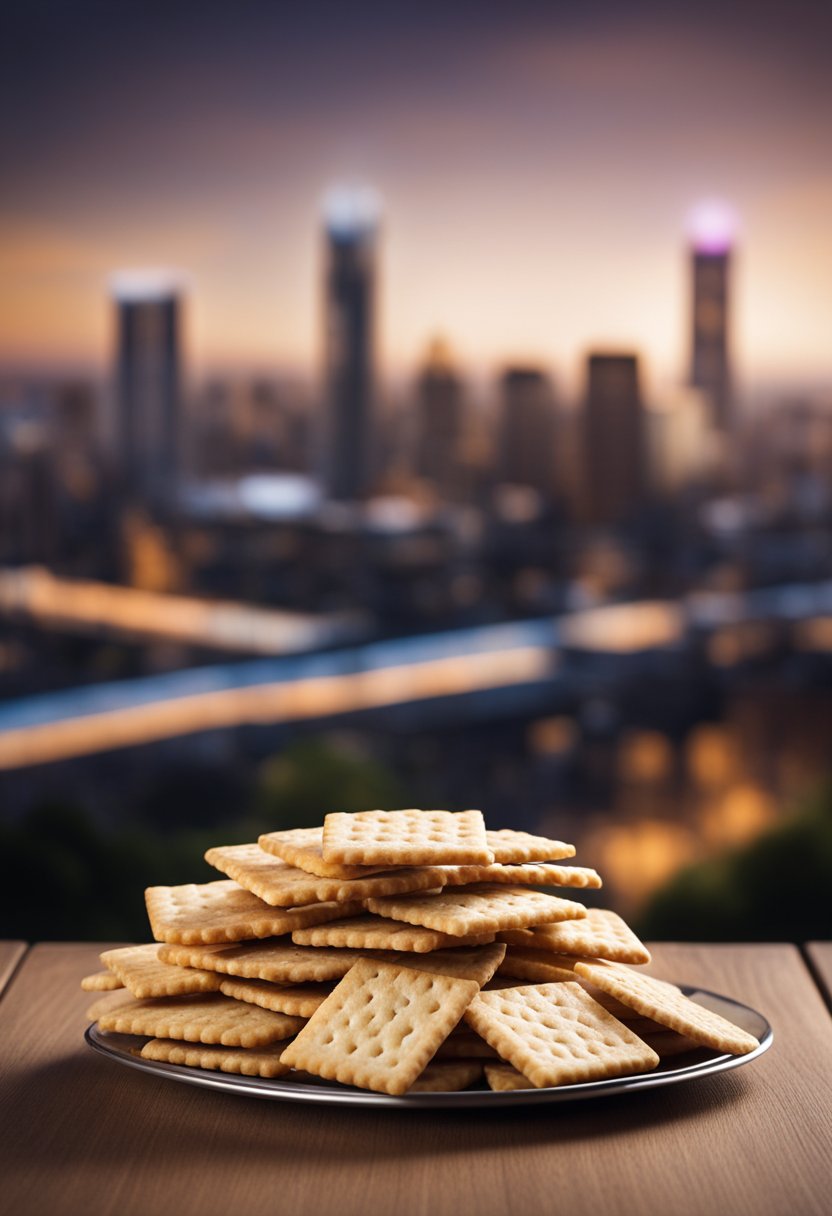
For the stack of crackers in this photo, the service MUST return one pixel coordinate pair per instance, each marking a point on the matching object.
(401, 952)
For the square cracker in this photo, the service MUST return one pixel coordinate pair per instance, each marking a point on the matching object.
(463, 911)
(476, 963)
(371, 932)
(510, 847)
(657, 1000)
(222, 912)
(601, 934)
(532, 874)
(277, 962)
(447, 1076)
(101, 981)
(140, 969)
(298, 1000)
(208, 1019)
(555, 1034)
(283, 886)
(381, 1026)
(406, 838)
(245, 1061)
(303, 848)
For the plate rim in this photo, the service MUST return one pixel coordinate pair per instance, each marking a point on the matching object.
(277, 1089)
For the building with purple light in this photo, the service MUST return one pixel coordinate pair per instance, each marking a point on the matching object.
(712, 228)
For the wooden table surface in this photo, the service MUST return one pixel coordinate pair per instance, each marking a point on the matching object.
(79, 1134)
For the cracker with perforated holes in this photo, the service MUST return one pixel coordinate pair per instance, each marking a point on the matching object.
(380, 1026)
(477, 963)
(371, 932)
(101, 981)
(531, 874)
(222, 911)
(600, 934)
(203, 1019)
(447, 1076)
(303, 848)
(283, 886)
(277, 962)
(654, 999)
(244, 1061)
(463, 911)
(406, 838)
(511, 847)
(141, 971)
(299, 1000)
(555, 1034)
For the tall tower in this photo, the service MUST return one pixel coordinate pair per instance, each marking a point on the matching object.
(148, 384)
(526, 454)
(351, 227)
(614, 441)
(712, 228)
(439, 420)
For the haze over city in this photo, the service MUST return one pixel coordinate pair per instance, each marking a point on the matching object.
(536, 170)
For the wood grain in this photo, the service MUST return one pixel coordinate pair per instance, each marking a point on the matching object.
(820, 956)
(80, 1134)
(10, 955)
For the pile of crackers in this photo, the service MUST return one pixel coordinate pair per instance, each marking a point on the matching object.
(402, 952)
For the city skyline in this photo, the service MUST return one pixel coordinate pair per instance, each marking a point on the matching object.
(536, 173)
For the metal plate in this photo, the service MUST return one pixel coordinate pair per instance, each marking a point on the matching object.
(702, 1063)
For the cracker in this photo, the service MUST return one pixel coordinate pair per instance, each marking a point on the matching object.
(277, 962)
(656, 1000)
(101, 981)
(380, 1026)
(463, 911)
(478, 963)
(245, 1061)
(510, 847)
(300, 1000)
(667, 1043)
(207, 1019)
(601, 934)
(406, 838)
(108, 1002)
(502, 1077)
(303, 848)
(448, 1076)
(141, 971)
(370, 932)
(532, 873)
(222, 912)
(555, 1034)
(283, 886)
(537, 966)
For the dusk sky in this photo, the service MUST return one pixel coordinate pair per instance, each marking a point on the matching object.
(536, 163)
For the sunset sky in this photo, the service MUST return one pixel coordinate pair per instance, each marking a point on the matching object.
(536, 162)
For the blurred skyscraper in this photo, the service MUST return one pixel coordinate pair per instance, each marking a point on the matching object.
(148, 385)
(351, 224)
(440, 421)
(613, 440)
(526, 429)
(712, 226)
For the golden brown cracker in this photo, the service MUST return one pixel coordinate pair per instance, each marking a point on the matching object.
(511, 847)
(244, 1061)
(277, 962)
(601, 934)
(213, 1019)
(531, 874)
(101, 981)
(555, 1034)
(380, 1026)
(303, 848)
(463, 911)
(371, 932)
(654, 999)
(141, 971)
(215, 912)
(298, 1000)
(406, 838)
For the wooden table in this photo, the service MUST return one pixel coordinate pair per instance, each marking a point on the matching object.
(78, 1134)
